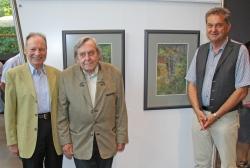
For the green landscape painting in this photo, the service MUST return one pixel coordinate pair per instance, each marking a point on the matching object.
(171, 68)
(106, 51)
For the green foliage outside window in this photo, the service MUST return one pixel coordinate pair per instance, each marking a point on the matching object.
(8, 41)
(5, 9)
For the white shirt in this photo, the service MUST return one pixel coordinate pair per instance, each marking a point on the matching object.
(11, 63)
(91, 81)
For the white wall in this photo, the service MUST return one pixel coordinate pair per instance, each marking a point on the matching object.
(158, 138)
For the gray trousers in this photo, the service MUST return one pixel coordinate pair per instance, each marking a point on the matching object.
(223, 134)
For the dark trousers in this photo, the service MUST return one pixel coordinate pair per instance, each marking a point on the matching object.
(45, 154)
(96, 161)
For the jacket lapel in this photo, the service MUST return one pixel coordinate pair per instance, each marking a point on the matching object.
(51, 81)
(100, 87)
(27, 77)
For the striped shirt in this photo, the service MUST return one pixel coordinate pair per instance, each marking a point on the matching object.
(41, 85)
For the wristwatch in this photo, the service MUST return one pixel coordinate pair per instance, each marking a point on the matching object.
(215, 115)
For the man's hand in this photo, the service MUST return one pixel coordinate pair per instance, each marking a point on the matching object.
(68, 150)
(201, 118)
(120, 147)
(210, 120)
(14, 149)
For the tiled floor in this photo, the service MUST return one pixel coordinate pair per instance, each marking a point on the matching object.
(6, 159)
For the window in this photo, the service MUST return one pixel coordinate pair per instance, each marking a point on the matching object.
(8, 38)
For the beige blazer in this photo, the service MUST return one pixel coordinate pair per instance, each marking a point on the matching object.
(21, 120)
(79, 120)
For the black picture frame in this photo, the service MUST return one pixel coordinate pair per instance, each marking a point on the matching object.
(168, 54)
(114, 37)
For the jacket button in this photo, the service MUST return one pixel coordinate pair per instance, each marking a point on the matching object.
(35, 129)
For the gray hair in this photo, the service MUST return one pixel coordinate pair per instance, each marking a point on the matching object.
(219, 11)
(82, 41)
(33, 34)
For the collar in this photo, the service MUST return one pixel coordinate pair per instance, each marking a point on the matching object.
(34, 70)
(222, 47)
(93, 75)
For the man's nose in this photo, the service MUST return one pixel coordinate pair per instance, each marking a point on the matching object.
(213, 28)
(37, 51)
(87, 57)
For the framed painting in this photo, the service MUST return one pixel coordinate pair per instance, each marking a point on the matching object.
(111, 43)
(168, 54)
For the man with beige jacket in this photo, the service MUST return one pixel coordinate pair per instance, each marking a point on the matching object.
(92, 115)
(31, 95)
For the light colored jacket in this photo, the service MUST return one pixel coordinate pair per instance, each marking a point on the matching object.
(79, 120)
(21, 119)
